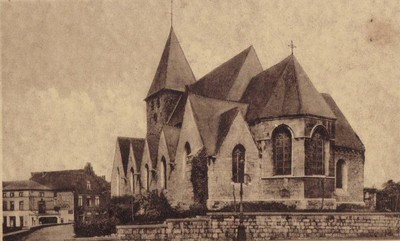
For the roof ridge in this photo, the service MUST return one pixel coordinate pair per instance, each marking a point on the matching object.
(221, 100)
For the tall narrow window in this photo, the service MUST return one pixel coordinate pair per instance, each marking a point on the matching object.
(21, 205)
(315, 152)
(88, 186)
(282, 151)
(340, 174)
(188, 150)
(238, 161)
(132, 181)
(97, 201)
(80, 201)
(118, 181)
(164, 172)
(147, 177)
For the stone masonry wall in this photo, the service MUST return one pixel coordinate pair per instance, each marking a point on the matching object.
(262, 226)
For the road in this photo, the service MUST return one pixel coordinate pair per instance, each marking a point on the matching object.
(53, 233)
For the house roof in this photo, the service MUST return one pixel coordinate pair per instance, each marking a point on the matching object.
(173, 71)
(284, 90)
(224, 82)
(137, 144)
(72, 180)
(345, 136)
(212, 120)
(171, 137)
(23, 185)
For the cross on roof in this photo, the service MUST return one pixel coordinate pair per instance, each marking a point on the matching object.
(291, 45)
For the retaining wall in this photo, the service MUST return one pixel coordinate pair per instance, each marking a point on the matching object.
(266, 226)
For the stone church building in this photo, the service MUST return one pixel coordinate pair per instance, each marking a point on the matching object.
(270, 129)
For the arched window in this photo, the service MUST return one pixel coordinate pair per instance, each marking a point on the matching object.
(164, 173)
(132, 181)
(282, 151)
(147, 174)
(315, 152)
(118, 181)
(341, 174)
(238, 161)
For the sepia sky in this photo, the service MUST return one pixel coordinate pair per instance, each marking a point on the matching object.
(75, 73)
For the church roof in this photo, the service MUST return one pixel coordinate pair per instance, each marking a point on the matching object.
(23, 185)
(152, 142)
(214, 118)
(171, 137)
(173, 71)
(284, 90)
(345, 136)
(176, 117)
(229, 80)
(137, 145)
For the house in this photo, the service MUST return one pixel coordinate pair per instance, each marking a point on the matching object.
(28, 203)
(90, 192)
(268, 128)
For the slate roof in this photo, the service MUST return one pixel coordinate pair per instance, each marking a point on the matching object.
(173, 71)
(212, 120)
(171, 137)
(23, 185)
(284, 90)
(345, 135)
(137, 144)
(71, 180)
(223, 83)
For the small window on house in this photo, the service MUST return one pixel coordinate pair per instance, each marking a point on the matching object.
(97, 201)
(155, 117)
(12, 207)
(152, 104)
(21, 194)
(88, 186)
(238, 162)
(11, 194)
(88, 201)
(188, 150)
(21, 205)
(80, 201)
(4, 194)
(4, 205)
(41, 194)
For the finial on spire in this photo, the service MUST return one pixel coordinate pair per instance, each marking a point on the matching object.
(172, 14)
(291, 45)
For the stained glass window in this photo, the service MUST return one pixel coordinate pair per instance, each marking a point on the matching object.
(282, 150)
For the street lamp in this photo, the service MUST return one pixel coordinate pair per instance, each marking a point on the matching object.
(241, 234)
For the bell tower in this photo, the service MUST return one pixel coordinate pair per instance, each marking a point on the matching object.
(172, 75)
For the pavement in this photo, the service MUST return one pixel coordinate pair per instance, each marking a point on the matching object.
(53, 233)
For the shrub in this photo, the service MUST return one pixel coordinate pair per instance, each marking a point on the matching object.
(152, 208)
(347, 207)
(259, 207)
(95, 227)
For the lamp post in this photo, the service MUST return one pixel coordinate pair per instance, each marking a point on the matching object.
(241, 234)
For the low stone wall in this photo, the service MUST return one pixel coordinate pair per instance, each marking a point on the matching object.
(266, 226)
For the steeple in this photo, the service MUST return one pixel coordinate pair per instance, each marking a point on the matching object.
(173, 71)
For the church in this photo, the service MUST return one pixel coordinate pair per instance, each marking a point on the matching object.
(270, 130)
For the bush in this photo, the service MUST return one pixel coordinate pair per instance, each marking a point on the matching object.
(259, 207)
(95, 227)
(122, 208)
(152, 208)
(347, 207)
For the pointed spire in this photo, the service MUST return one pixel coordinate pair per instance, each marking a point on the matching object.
(173, 71)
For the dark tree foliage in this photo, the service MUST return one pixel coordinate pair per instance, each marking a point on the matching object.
(199, 180)
(388, 199)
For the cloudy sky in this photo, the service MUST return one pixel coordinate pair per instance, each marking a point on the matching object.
(75, 73)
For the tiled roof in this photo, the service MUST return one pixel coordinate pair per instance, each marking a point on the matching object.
(229, 80)
(72, 180)
(284, 90)
(207, 113)
(345, 136)
(23, 185)
(173, 71)
(137, 144)
(172, 137)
